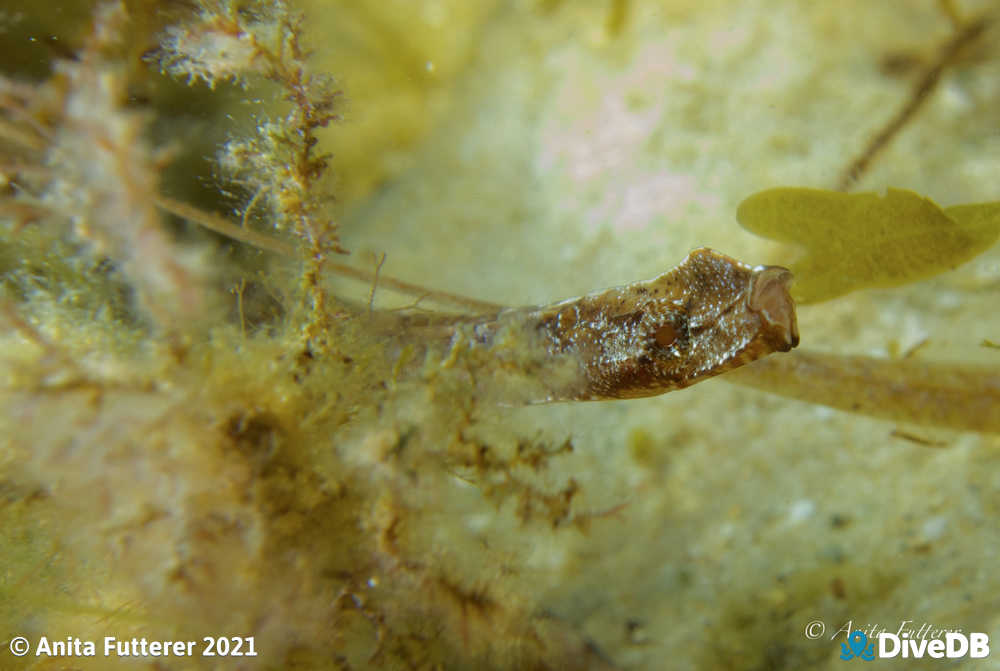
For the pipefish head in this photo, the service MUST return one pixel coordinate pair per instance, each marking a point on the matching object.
(708, 315)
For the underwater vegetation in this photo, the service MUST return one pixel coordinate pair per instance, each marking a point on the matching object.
(211, 435)
(880, 241)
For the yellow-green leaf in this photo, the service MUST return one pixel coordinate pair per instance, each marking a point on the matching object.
(860, 240)
(981, 217)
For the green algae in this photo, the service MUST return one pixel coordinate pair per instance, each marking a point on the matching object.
(865, 240)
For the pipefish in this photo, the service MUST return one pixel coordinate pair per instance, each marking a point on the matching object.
(641, 356)
(706, 316)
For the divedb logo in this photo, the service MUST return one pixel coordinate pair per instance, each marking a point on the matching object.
(975, 645)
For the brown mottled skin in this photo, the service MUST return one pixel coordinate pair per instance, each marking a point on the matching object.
(708, 315)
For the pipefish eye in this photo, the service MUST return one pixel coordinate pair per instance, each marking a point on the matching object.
(665, 335)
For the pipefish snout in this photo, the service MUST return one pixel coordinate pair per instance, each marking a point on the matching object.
(770, 299)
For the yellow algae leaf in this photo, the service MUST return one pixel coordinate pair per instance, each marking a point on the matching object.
(864, 240)
(983, 217)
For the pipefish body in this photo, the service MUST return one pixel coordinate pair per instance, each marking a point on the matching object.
(589, 349)
(708, 315)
